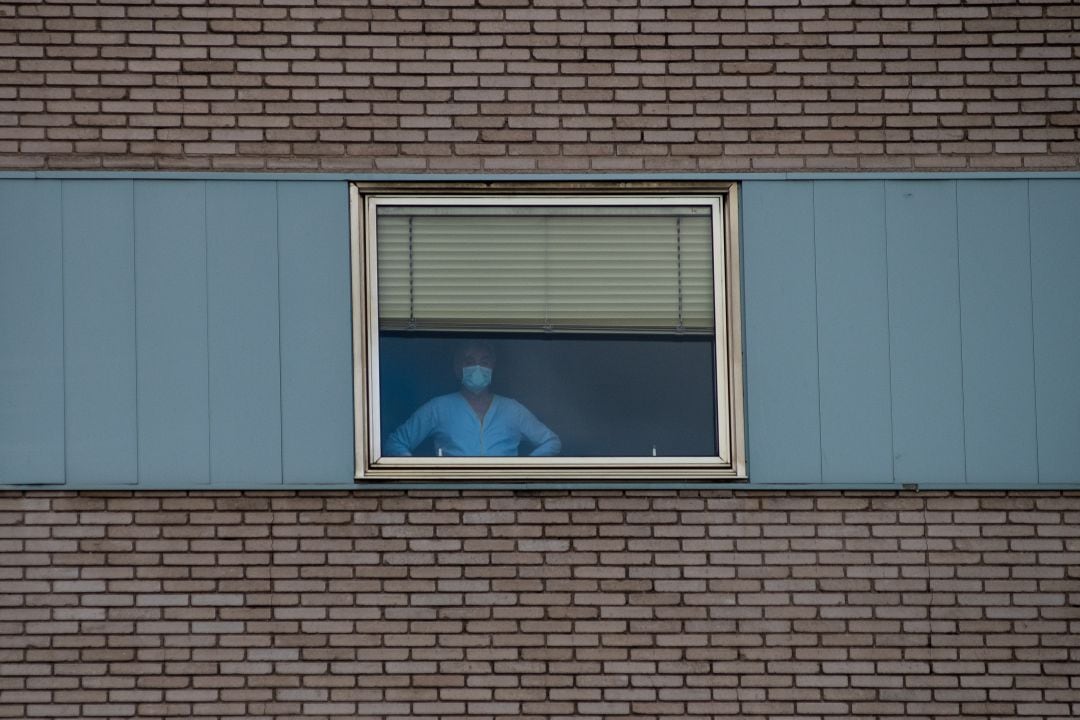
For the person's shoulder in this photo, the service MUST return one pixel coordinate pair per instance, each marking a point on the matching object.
(510, 404)
(444, 400)
(438, 402)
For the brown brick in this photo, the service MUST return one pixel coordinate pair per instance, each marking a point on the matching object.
(624, 627)
(558, 59)
(674, 604)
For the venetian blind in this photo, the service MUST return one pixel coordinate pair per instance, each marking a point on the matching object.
(568, 268)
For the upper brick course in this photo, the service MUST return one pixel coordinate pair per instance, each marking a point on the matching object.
(540, 85)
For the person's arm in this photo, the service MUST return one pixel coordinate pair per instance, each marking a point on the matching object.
(412, 432)
(545, 442)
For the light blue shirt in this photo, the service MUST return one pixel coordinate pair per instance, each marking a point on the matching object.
(459, 432)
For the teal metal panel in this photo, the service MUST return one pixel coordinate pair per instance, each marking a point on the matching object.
(237, 362)
(853, 332)
(171, 326)
(779, 291)
(245, 377)
(995, 321)
(924, 331)
(316, 332)
(99, 332)
(31, 333)
(1055, 276)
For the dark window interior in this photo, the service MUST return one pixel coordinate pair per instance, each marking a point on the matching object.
(605, 395)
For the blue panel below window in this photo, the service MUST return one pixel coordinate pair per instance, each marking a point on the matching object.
(779, 290)
(995, 317)
(170, 266)
(245, 375)
(117, 308)
(853, 332)
(316, 332)
(924, 332)
(99, 332)
(1055, 274)
(31, 333)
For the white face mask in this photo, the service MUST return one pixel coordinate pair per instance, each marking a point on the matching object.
(475, 377)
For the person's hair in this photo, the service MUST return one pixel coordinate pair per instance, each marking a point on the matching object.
(465, 345)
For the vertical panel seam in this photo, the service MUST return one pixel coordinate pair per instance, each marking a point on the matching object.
(960, 324)
(281, 397)
(63, 339)
(888, 327)
(817, 326)
(1031, 309)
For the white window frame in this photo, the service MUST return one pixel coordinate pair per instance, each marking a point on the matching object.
(730, 463)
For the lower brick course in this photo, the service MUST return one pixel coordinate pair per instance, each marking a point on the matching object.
(539, 605)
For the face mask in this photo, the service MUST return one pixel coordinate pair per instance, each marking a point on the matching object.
(475, 378)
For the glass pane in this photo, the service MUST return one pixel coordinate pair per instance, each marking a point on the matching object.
(601, 395)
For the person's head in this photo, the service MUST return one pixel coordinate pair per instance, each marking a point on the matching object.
(474, 362)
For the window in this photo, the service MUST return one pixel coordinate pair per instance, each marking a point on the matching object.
(529, 331)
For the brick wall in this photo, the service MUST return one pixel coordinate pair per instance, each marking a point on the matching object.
(711, 604)
(741, 605)
(539, 85)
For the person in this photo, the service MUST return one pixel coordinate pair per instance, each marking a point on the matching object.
(473, 421)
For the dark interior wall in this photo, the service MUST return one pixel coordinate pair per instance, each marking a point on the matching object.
(603, 395)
